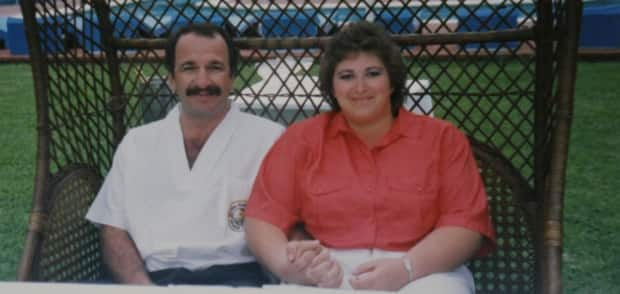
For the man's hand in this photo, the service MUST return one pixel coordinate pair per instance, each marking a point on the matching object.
(122, 257)
(387, 274)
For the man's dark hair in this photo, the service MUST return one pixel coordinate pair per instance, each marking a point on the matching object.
(208, 30)
(363, 37)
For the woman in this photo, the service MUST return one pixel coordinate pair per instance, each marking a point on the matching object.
(393, 199)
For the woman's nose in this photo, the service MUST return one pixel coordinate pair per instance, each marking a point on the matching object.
(359, 85)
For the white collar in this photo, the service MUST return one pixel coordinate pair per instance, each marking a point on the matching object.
(211, 152)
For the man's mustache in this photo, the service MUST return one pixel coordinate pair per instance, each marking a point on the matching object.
(212, 90)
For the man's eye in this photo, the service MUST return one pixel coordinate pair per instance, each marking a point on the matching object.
(187, 68)
(215, 67)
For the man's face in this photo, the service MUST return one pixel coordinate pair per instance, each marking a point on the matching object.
(202, 78)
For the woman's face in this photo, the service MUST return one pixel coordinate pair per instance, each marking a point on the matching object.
(362, 88)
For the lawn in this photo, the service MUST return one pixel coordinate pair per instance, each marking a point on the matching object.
(591, 247)
(17, 158)
(591, 250)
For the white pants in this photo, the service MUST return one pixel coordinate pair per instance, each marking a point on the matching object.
(459, 281)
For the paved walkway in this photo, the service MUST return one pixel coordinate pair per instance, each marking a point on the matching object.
(10, 10)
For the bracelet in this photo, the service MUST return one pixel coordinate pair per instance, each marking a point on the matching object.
(408, 267)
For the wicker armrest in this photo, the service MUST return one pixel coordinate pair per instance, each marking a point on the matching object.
(69, 248)
(511, 268)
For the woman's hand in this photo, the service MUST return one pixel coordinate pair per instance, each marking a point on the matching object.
(286, 259)
(387, 274)
(313, 260)
(301, 253)
(325, 271)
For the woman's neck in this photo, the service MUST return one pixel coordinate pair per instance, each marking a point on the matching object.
(371, 133)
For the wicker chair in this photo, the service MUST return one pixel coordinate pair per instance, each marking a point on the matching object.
(503, 74)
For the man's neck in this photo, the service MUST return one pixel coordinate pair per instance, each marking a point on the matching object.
(196, 132)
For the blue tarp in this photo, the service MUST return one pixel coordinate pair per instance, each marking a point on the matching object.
(398, 21)
(600, 24)
(51, 36)
(600, 27)
(174, 20)
(288, 23)
(486, 19)
(86, 31)
(16, 36)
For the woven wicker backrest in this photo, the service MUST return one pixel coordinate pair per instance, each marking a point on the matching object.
(502, 71)
(70, 248)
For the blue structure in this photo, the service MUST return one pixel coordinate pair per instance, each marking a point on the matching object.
(86, 32)
(16, 36)
(486, 19)
(3, 21)
(600, 27)
(85, 28)
(398, 20)
(175, 20)
(600, 23)
(280, 24)
(339, 16)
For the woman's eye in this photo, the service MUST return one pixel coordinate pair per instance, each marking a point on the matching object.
(374, 73)
(345, 76)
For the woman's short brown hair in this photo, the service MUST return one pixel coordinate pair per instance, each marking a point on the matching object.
(369, 38)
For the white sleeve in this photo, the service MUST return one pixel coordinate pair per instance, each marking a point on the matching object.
(109, 205)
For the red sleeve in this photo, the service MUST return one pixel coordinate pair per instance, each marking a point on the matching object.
(463, 199)
(275, 194)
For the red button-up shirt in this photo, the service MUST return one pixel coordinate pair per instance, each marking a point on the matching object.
(421, 176)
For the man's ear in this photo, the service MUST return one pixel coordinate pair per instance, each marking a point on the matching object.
(171, 83)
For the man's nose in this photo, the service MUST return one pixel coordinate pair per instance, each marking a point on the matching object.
(203, 78)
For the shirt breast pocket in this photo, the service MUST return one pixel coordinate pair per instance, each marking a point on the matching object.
(413, 186)
(327, 188)
(329, 200)
(414, 201)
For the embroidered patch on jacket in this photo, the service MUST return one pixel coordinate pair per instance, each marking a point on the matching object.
(236, 214)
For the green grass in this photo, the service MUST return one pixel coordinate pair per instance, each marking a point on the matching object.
(591, 247)
(17, 158)
(592, 203)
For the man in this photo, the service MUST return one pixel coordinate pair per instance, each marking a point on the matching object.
(171, 208)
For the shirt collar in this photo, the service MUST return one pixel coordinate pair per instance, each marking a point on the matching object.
(337, 125)
(404, 125)
(407, 124)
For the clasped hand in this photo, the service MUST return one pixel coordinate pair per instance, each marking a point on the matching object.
(313, 260)
(385, 274)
